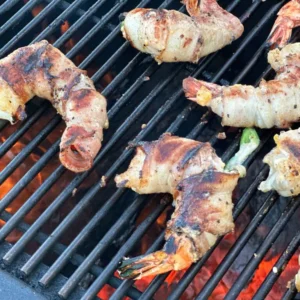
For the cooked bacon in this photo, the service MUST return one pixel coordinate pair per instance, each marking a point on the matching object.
(273, 103)
(193, 173)
(42, 70)
(171, 36)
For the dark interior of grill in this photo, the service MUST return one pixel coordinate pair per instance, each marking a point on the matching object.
(63, 234)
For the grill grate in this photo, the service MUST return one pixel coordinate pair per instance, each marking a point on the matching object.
(170, 113)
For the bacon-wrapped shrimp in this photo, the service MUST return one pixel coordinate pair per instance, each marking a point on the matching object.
(284, 162)
(288, 18)
(272, 103)
(42, 70)
(202, 191)
(171, 36)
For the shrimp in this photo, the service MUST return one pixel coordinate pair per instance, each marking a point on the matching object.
(42, 70)
(171, 36)
(274, 103)
(202, 191)
(288, 18)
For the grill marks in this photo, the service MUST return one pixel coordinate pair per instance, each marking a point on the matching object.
(67, 76)
(167, 150)
(189, 155)
(293, 147)
(81, 98)
(197, 211)
(13, 77)
(74, 132)
(33, 61)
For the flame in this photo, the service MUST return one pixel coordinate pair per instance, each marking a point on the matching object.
(78, 59)
(63, 28)
(70, 43)
(37, 9)
(208, 270)
(9, 184)
(106, 292)
(262, 272)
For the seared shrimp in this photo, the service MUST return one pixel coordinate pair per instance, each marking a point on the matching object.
(202, 191)
(273, 103)
(42, 70)
(171, 36)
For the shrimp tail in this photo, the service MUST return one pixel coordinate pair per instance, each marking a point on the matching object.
(177, 254)
(281, 33)
(145, 265)
(200, 91)
(288, 18)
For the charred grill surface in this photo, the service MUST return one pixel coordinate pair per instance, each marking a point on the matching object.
(82, 230)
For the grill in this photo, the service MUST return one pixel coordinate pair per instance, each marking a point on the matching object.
(83, 226)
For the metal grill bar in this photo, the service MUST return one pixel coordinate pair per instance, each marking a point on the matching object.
(261, 252)
(120, 77)
(27, 150)
(105, 241)
(80, 238)
(13, 138)
(67, 35)
(31, 202)
(12, 21)
(76, 259)
(34, 22)
(96, 28)
(108, 237)
(80, 12)
(135, 237)
(280, 265)
(7, 5)
(59, 20)
(291, 292)
(268, 203)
